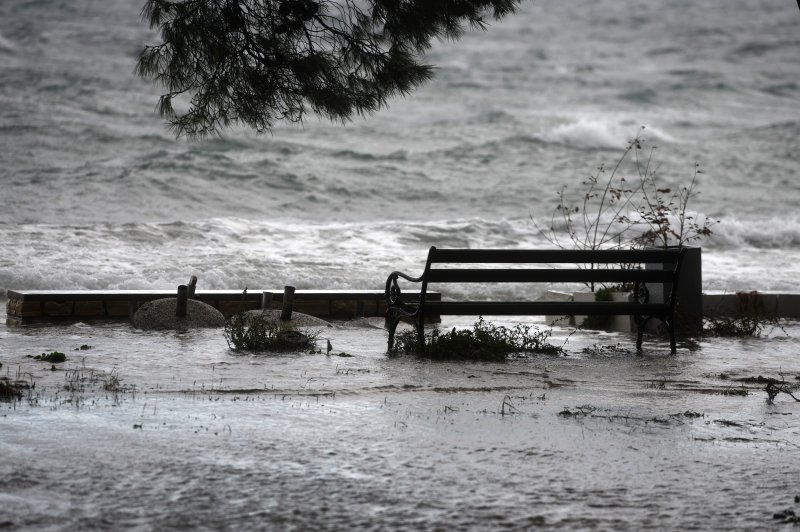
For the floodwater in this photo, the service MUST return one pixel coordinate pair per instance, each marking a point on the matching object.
(166, 430)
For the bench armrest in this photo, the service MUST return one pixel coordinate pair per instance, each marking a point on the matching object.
(394, 296)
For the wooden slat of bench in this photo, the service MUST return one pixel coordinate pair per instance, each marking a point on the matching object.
(561, 256)
(541, 275)
(541, 308)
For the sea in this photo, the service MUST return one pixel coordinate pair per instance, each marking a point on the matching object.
(97, 193)
(155, 430)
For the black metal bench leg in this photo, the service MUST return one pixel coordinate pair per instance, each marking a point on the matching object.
(421, 334)
(672, 347)
(640, 323)
(392, 319)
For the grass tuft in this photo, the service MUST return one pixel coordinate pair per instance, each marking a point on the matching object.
(484, 342)
(11, 390)
(255, 332)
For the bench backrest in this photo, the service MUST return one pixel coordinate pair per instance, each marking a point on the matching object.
(596, 266)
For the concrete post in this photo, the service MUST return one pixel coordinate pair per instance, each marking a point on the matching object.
(266, 300)
(183, 296)
(689, 306)
(192, 284)
(288, 302)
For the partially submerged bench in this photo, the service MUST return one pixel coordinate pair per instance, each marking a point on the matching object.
(552, 266)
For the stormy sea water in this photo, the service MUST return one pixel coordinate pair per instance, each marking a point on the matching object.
(155, 430)
(96, 193)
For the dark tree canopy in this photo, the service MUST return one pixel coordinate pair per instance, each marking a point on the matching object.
(256, 62)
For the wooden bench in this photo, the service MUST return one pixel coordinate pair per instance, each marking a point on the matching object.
(552, 266)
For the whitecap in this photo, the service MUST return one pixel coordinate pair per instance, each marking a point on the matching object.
(597, 133)
(6, 44)
(588, 133)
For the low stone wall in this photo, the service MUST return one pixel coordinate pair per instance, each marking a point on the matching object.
(43, 306)
(37, 306)
(769, 304)
(715, 305)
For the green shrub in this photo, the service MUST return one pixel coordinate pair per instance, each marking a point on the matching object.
(484, 342)
(256, 332)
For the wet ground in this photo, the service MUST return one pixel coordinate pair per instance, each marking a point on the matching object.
(149, 430)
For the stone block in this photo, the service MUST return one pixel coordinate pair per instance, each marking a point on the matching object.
(342, 309)
(751, 303)
(117, 309)
(371, 308)
(229, 308)
(58, 308)
(557, 321)
(320, 308)
(715, 305)
(28, 309)
(788, 306)
(90, 308)
(14, 322)
(347, 309)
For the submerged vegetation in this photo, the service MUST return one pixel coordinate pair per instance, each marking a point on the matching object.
(751, 325)
(485, 341)
(775, 387)
(257, 332)
(55, 357)
(751, 318)
(12, 390)
(738, 327)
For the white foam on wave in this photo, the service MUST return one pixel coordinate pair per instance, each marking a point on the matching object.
(233, 253)
(6, 44)
(586, 133)
(597, 133)
(230, 253)
(768, 233)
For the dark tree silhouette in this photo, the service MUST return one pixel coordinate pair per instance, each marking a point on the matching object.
(255, 62)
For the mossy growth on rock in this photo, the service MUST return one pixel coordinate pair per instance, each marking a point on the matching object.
(485, 341)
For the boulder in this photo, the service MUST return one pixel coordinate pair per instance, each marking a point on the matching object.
(298, 318)
(160, 314)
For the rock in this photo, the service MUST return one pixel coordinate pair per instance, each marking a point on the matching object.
(160, 314)
(298, 319)
(787, 515)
